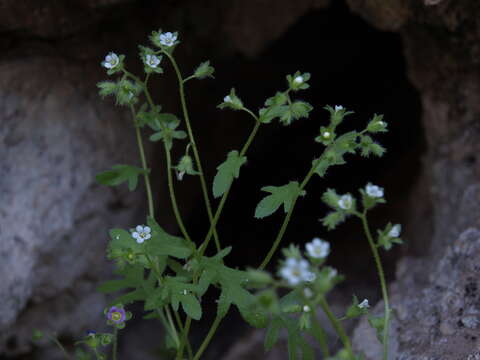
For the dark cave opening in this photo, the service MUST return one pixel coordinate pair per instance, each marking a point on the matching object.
(354, 65)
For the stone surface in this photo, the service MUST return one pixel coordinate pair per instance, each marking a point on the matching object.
(55, 136)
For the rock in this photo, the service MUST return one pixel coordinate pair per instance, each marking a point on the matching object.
(53, 216)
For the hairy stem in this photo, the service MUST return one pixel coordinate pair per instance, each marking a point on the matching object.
(383, 282)
(337, 326)
(286, 220)
(141, 150)
(115, 344)
(226, 193)
(194, 147)
(208, 338)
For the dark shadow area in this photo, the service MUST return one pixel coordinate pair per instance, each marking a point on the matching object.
(353, 65)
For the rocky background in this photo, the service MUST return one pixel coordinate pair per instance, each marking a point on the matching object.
(416, 61)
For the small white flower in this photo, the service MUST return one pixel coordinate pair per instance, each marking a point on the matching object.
(111, 61)
(167, 39)
(306, 308)
(142, 233)
(307, 292)
(345, 202)
(374, 191)
(381, 123)
(227, 99)
(364, 304)
(152, 60)
(298, 80)
(332, 273)
(338, 108)
(395, 231)
(296, 271)
(318, 248)
(326, 134)
(180, 175)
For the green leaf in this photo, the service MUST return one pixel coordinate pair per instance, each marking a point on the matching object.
(107, 88)
(273, 331)
(378, 323)
(321, 166)
(204, 70)
(331, 198)
(297, 110)
(120, 174)
(285, 195)
(227, 171)
(162, 243)
(191, 306)
(333, 219)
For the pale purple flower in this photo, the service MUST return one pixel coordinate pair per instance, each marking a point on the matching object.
(142, 233)
(116, 314)
(111, 61)
(167, 39)
(318, 248)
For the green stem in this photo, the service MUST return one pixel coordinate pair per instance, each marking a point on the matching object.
(172, 326)
(321, 336)
(194, 146)
(173, 198)
(60, 346)
(144, 165)
(171, 189)
(383, 282)
(219, 210)
(286, 220)
(182, 329)
(337, 326)
(115, 344)
(184, 339)
(208, 338)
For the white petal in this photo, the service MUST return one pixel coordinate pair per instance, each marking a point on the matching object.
(147, 236)
(147, 229)
(140, 240)
(135, 235)
(139, 228)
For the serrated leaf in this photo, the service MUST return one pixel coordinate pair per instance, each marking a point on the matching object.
(120, 174)
(204, 70)
(227, 171)
(333, 219)
(285, 195)
(321, 166)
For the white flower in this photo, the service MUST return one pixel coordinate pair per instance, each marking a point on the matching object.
(142, 233)
(332, 273)
(180, 175)
(395, 231)
(326, 134)
(307, 292)
(152, 60)
(306, 308)
(111, 61)
(227, 99)
(296, 271)
(345, 202)
(298, 80)
(338, 108)
(167, 39)
(364, 304)
(318, 248)
(374, 191)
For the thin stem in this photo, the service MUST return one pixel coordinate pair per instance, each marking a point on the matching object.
(171, 189)
(60, 346)
(144, 166)
(337, 326)
(208, 338)
(182, 329)
(194, 147)
(286, 220)
(320, 334)
(184, 339)
(383, 282)
(115, 344)
(173, 198)
(219, 210)
(172, 326)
